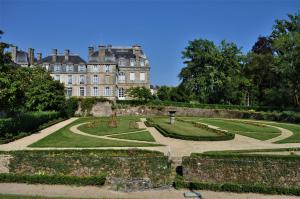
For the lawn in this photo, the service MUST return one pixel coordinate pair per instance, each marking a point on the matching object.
(246, 129)
(101, 127)
(295, 128)
(142, 136)
(182, 128)
(65, 138)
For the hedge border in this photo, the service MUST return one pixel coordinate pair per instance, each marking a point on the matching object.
(41, 127)
(252, 150)
(53, 179)
(226, 136)
(238, 188)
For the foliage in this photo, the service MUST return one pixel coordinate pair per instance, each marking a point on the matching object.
(25, 124)
(70, 107)
(53, 179)
(140, 93)
(117, 164)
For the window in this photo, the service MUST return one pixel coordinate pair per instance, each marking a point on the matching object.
(107, 68)
(121, 92)
(95, 91)
(121, 76)
(95, 79)
(122, 62)
(142, 76)
(69, 92)
(81, 68)
(81, 91)
(56, 68)
(132, 76)
(70, 78)
(142, 63)
(132, 62)
(107, 78)
(69, 68)
(95, 68)
(82, 79)
(57, 77)
(107, 91)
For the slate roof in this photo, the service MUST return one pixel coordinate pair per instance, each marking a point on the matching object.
(115, 53)
(74, 59)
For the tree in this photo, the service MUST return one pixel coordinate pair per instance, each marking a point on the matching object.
(140, 93)
(213, 73)
(163, 93)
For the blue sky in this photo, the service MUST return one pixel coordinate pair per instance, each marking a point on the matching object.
(163, 28)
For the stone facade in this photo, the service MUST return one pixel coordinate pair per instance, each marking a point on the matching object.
(109, 71)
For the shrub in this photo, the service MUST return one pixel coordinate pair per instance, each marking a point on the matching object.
(25, 124)
(70, 107)
(87, 103)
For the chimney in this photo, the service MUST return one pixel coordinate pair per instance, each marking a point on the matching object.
(31, 56)
(109, 47)
(67, 53)
(54, 55)
(101, 53)
(14, 50)
(91, 51)
(39, 56)
(137, 52)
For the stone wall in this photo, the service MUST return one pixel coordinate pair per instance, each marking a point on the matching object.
(251, 170)
(127, 170)
(180, 111)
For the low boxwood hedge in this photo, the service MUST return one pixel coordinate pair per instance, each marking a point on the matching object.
(53, 179)
(222, 135)
(239, 188)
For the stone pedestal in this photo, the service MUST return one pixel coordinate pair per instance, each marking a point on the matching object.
(172, 117)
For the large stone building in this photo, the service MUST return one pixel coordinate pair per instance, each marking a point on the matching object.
(109, 71)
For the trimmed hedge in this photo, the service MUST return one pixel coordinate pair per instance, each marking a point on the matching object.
(239, 188)
(53, 179)
(222, 135)
(25, 124)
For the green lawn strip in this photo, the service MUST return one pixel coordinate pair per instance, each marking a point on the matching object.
(250, 130)
(141, 136)
(65, 138)
(182, 128)
(101, 127)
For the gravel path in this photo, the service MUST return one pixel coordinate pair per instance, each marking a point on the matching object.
(97, 192)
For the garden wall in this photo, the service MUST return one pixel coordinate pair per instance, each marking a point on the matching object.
(125, 170)
(257, 173)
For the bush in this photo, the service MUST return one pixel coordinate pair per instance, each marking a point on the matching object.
(53, 179)
(25, 124)
(70, 107)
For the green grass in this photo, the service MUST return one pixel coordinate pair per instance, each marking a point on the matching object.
(142, 136)
(182, 128)
(250, 130)
(101, 127)
(295, 128)
(65, 138)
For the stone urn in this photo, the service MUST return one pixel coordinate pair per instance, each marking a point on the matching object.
(172, 116)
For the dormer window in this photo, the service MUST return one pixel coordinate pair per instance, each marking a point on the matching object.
(69, 68)
(132, 62)
(142, 63)
(81, 68)
(122, 62)
(56, 68)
